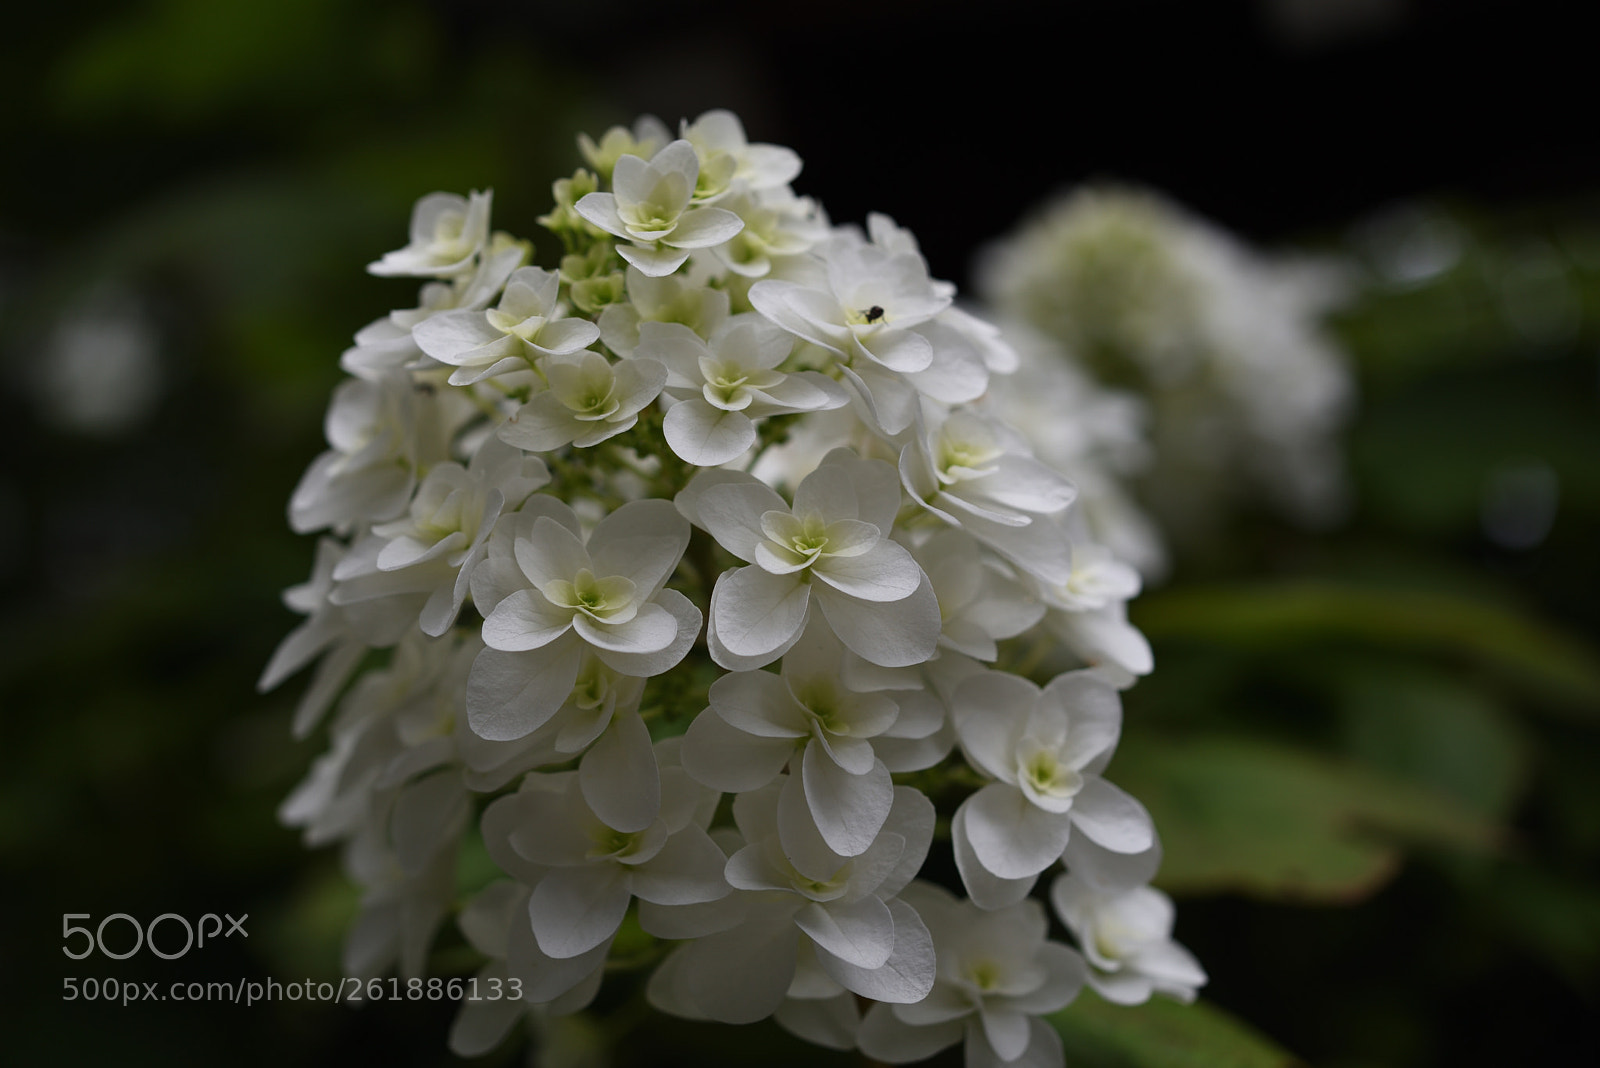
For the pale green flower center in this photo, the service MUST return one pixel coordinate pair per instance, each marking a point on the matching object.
(613, 843)
(985, 975)
(597, 598)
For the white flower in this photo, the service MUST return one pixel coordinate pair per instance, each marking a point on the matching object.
(382, 432)
(340, 634)
(526, 325)
(976, 474)
(673, 299)
(774, 225)
(432, 550)
(998, 973)
(726, 157)
(496, 924)
(1246, 391)
(647, 136)
(759, 721)
(388, 344)
(649, 206)
(1126, 933)
(593, 870)
(447, 231)
(720, 387)
(864, 305)
(979, 605)
(546, 596)
(834, 543)
(1046, 748)
(589, 400)
(797, 890)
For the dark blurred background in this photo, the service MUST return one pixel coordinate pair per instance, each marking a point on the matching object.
(191, 190)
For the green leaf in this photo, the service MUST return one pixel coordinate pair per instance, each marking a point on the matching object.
(1306, 613)
(1422, 725)
(1276, 822)
(1162, 1034)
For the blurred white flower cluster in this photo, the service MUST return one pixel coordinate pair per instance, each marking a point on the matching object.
(680, 571)
(1149, 306)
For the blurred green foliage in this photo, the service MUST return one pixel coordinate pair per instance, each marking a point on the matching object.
(1371, 750)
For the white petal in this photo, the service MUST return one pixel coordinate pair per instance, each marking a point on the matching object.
(849, 810)
(885, 1038)
(899, 350)
(828, 1022)
(704, 227)
(731, 510)
(644, 665)
(1044, 1049)
(760, 703)
(1010, 837)
(509, 695)
(619, 777)
(546, 978)
(892, 634)
(912, 818)
(1112, 817)
(725, 758)
(687, 871)
(428, 813)
(991, 711)
(547, 547)
(601, 210)
(451, 336)
(641, 541)
(885, 572)
(574, 910)
(562, 336)
(706, 436)
(524, 621)
(803, 845)
(741, 976)
(860, 932)
(653, 262)
(1006, 1031)
(651, 630)
(543, 424)
(757, 616)
(1065, 974)
(908, 974)
(483, 1024)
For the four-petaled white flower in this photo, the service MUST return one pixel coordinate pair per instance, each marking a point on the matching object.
(589, 400)
(649, 206)
(447, 231)
(758, 722)
(1047, 749)
(546, 596)
(432, 549)
(975, 474)
(1126, 933)
(834, 544)
(672, 299)
(720, 387)
(525, 325)
(998, 973)
(726, 157)
(592, 869)
(798, 894)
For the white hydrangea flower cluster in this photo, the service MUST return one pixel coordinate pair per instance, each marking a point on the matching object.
(679, 572)
(1245, 392)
